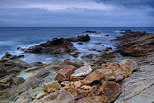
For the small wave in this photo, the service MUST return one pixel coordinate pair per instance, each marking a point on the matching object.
(7, 43)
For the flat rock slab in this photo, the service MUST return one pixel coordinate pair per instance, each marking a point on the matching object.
(139, 88)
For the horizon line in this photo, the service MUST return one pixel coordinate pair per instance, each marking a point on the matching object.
(75, 27)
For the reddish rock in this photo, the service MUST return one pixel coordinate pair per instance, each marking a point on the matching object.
(112, 72)
(65, 73)
(110, 90)
(92, 99)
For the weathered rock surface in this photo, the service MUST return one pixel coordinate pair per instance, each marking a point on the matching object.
(139, 87)
(56, 46)
(65, 73)
(11, 64)
(82, 71)
(75, 62)
(92, 99)
(88, 31)
(136, 43)
(110, 90)
(51, 86)
(82, 38)
(61, 96)
(112, 71)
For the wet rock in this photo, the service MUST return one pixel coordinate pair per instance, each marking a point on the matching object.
(80, 43)
(56, 46)
(82, 71)
(51, 86)
(98, 43)
(75, 54)
(21, 56)
(81, 38)
(37, 64)
(61, 96)
(65, 73)
(107, 49)
(136, 43)
(92, 49)
(20, 48)
(92, 99)
(11, 64)
(88, 31)
(110, 90)
(89, 56)
(106, 35)
(7, 54)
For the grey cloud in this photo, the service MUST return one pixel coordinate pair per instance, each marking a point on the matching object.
(129, 3)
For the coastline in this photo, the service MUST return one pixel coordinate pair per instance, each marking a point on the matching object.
(95, 60)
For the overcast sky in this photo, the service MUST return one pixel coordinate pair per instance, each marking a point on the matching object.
(77, 13)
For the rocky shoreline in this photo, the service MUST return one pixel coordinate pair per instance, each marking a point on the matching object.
(105, 79)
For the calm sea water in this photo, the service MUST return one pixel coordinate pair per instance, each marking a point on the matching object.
(13, 37)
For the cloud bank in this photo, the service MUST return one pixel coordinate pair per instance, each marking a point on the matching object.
(77, 13)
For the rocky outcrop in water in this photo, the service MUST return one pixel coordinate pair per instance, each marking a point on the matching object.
(136, 43)
(82, 38)
(88, 31)
(11, 64)
(57, 46)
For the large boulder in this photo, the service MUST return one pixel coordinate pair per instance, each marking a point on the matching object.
(56, 46)
(65, 73)
(110, 90)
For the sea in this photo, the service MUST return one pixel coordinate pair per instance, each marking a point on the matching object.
(13, 37)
